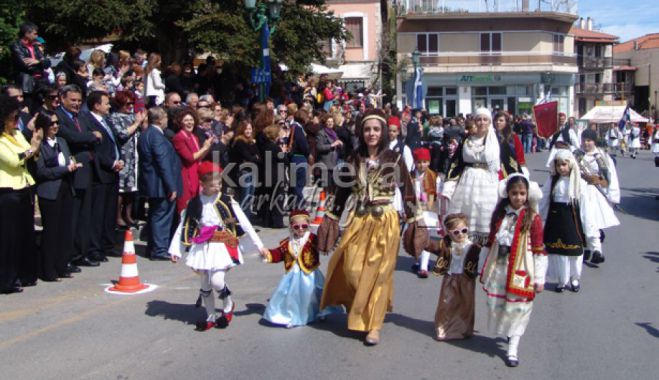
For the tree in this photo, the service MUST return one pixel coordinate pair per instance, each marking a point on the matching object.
(11, 16)
(175, 28)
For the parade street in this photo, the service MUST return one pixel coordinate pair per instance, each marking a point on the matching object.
(609, 330)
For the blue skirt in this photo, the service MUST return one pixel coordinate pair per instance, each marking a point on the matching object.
(296, 300)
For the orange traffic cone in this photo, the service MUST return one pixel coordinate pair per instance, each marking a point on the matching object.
(320, 212)
(129, 281)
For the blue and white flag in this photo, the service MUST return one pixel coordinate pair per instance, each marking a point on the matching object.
(626, 118)
(418, 88)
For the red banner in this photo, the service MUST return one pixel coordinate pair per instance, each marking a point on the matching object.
(546, 118)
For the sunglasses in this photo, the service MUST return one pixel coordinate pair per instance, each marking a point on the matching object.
(54, 122)
(52, 97)
(458, 232)
(298, 227)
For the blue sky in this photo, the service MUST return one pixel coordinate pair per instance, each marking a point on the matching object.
(626, 19)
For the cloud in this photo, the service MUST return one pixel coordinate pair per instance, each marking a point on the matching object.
(624, 19)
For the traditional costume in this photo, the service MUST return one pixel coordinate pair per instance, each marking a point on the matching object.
(635, 140)
(560, 208)
(458, 263)
(566, 138)
(474, 175)
(511, 157)
(516, 262)
(427, 188)
(655, 146)
(210, 229)
(296, 300)
(601, 193)
(361, 270)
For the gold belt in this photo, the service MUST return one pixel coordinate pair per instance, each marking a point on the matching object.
(377, 209)
(225, 237)
(478, 165)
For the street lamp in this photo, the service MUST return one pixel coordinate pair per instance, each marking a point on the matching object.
(261, 17)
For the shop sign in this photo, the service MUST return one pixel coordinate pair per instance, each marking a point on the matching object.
(480, 78)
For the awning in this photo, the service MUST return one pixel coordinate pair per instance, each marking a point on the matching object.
(611, 114)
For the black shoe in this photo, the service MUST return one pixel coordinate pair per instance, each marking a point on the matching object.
(575, 286)
(586, 255)
(15, 289)
(559, 288)
(28, 283)
(159, 258)
(73, 269)
(86, 262)
(65, 275)
(598, 258)
(99, 258)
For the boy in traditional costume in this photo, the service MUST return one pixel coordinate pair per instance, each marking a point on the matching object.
(516, 263)
(427, 187)
(296, 300)
(210, 229)
(601, 194)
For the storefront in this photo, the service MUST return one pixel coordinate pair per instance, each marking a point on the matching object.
(453, 94)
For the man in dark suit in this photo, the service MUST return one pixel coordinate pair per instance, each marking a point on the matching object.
(105, 185)
(82, 141)
(159, 180)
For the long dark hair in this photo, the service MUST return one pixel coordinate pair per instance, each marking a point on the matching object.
(384, 137)
(44, 120)
(507, 132)
(500, 210)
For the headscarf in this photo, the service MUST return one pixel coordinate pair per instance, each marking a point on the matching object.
(534, 194)
(492, 153)
(575, 173)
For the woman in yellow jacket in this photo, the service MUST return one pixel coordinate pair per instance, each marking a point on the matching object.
(18, 259)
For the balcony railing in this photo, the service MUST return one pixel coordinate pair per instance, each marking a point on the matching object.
(503, 58)
(603, 88)
(594, 63)
(486, 6)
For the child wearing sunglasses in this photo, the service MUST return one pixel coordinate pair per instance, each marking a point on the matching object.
(458, 263)
(296, 300)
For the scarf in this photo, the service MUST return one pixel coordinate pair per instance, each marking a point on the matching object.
(331, 133)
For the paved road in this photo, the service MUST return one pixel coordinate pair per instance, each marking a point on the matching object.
(608, 331)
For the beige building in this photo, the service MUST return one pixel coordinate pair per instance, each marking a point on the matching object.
(501, 55)
(357, 58)
(640, 56)
(595, 81)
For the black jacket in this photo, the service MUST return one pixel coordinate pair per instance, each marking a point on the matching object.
(24, 72)
(107, 152)
(81, 143)
(50, 175)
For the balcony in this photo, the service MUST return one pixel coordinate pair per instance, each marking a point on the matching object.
(451, 7)
(594, 63)
(504, 58)
(603, 88)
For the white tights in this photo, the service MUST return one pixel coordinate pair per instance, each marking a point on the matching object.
(423, 260)
(214, 280)
(512, 346)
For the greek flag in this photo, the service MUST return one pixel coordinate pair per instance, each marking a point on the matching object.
(626, 118)
(418, 88)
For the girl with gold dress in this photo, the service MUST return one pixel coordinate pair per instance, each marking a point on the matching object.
(360, 272)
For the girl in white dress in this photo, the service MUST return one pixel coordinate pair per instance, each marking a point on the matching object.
(635, 143)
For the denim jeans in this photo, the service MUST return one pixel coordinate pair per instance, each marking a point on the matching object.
(246, 193)
(301, 169)
(527, 141)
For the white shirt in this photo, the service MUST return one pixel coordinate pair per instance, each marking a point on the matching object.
(61, 160)
(507, 229)
(562, 190)
(458, 253)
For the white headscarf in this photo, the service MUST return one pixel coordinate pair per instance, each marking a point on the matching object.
(575, 174)
(534, 194)
(491, 143)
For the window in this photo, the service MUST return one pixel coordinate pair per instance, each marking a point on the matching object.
(559, 41)
(427, 43)
(435, 91)
(354, 25)
(491, 43)
(598, 51)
